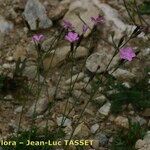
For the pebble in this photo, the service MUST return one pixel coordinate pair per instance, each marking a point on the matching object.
(94, 128)
(41, 106)
(122, 122)
(100, 59)
(105, 109)
(81, 131)
(18, 109)
(66, 123)
(103, 140)
(76, 78)
(5, 26)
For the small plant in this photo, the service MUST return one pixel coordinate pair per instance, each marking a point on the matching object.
(138, 95)
(125, 140)
(145, 8)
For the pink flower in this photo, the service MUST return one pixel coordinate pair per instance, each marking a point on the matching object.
(84, 28)
(72, 37)
(97, 20)
(38, 38)
(127, 53)
(67, 25)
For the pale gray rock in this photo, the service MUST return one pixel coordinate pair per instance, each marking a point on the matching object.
(147, 137)
(101, 60)
(39, 107)
(105, 109)
(76, 78)
(5, 26)
(18, 110)
(143, 144)
(94, 128)
(123, 74)
(57, 56)
(100, 100)
(113, 19)
(30, 72)
(66, 121)
(35, 11)
(140, 120)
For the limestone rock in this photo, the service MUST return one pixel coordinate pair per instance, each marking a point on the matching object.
(123, 74)
(58, 11)
(94, 128)
(105, 109)
(76, 78)
(122, 122)
(41, 107)
(86, 9)
(5, 26)
(57, 57)
(66, 122)
(82, 131)
(100, 59)
(35, 12)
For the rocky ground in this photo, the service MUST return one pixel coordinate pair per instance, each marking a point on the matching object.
(18, 23)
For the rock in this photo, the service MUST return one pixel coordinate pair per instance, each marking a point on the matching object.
(126, 84)
(94, 128)
(20, 52)
(101, 59)
(76, 78)
(58, 11)
(30, 72)
(13, 125)
(105, 109)
(95, 144)
(103, 140)
(81, 131)
(7, 66)
(146, 112)
(31, 52)
(100, 100)
(41, 106)
(139, 144)
(122, 122)
(42, 124)
(35, 13)
(145, 143)
(82, 8)
(140, 120)
(112, 19)
(147, 137)
(86, 79)
(66, 121)
(60, 55)
(46, 45)
(10, 58)
(8, 97)
(5, 26)
(122, 74)
(18, 110)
